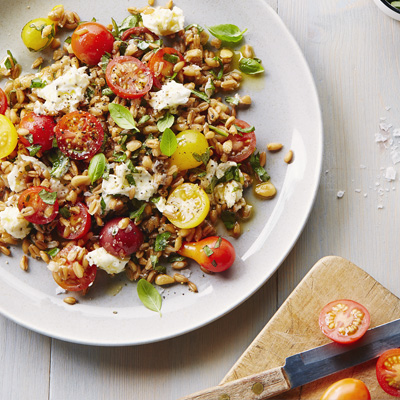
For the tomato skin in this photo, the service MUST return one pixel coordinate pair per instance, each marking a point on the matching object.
(41, 127)
(8, 136)
(222, 257)
(243, 144)
(80, 224)
(137, 31)
(43, 213)
(131, 83)
(387, 371)
(90, 41)
(120, 242)
(347, 389)
(32, 37)
(3, 102)
(334, 313)
(79, 135)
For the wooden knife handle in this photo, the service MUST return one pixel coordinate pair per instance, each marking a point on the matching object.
(254, 387)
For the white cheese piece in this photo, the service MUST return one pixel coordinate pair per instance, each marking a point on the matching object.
(396, 132)
(106, 261)
(63, 94)
(395, 157)
(163, 21)
(161, 204)
(211, 169)
(380, 138)
(384, 126)
(228, 193)
(61, 189)
(171, 95)
(12, 221)
(223, 167)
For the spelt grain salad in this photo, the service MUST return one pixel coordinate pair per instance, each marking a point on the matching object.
(126, 151)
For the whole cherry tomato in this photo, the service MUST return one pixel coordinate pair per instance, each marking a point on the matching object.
(347, 389)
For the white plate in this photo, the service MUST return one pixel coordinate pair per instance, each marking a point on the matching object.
(285, 109)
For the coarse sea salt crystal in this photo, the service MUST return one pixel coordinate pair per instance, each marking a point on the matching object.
(357, 190)
(381, 192)
(390, 174)
(387, 108)
(395, 157)
(384, 126)
(60, 290)
(380, 206)
(379, 138)
(396, 132)
(340, 194)
(362, 166)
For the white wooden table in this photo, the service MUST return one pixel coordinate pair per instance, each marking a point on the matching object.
(354, 54)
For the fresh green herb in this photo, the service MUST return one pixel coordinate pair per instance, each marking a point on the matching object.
(53, 252)
(214, 263)
(218, 130)
(106, 174)
(218, 243)
(144, 119)
(165, 122)
(175, 258)
(220, 72)
(7, 63)
(130, 165)
(105, 58)
(210, 188)
(121, 116)
(169, 143)
(129, 22)
(130, 179)
(209, 88)
(154, 260)
(115, 30)
(37, 83)
(65, 213)
(122, 48)
(245, 130)
(227, 32)
(48, 197)
(97, 166)
(15, 62)
(199, 28)
(54, 145)
(137, 215)
(172, 58)
(103, 205)
(68, 39)
(161, 269)
(232, 100)
(149, 296)
(119, 157)
(89, 93)
(107, 92)
(29, 138)
(250, 66)
(231, 174)
(200, 95)
(229, 219)
(61, 164)
(257, 168)
(204, 158)
(162, 241)
(34, 149)
(143, 45)
(258, 60)
(208, 252)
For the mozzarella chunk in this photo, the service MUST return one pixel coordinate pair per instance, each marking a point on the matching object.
(211, 169)
(106, 261)
(171, 95)
(64, 93)
(163, 21)
(228, 193)
(12, 221)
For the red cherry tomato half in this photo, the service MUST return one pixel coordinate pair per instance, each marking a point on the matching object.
(344, 321)
(41, 127)
(77, 225)
(90, 41)
(45, 206)
(213, 253)
(68, 280)
(128, 77)
(168, 56)
(79, 135)
(388, 372)
(120, 242)
(243, 143)
(139, 32)
(347, 389)
(3, 102)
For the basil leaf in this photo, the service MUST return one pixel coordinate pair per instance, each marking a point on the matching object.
(149, 296)
(144, 119)
(154, 260)
(165, 122)
(33, 150)
(168, 143)
(174, 258)
(97, 166)
(231, 174)
(53, 252)
(172, 58)
(119, 157)
(209, 88)
(221, 69)
(48, 197)
(245, 130)
(228, 218)
(162, 241)
(105, 58)
(130, 165)
(204, 158)
(250, 66)
(65, 213)
(38, 83)
(232, 100)
(29, 138)
(129, 22)
(115, 31)
(161, 269)
(61, 164)
(103, 205)
(257, 168)
(218, 130)
(107, 92)
(137, 215)
(7, 63)
(68, 39)
(227, 32)
(210, 188)
(121, 116)
(218, 243)
(199, 28)
(130, 179)
(12, 57)
(200, 95)
(208, 252)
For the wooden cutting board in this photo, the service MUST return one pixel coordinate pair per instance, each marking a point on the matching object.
(294, 327)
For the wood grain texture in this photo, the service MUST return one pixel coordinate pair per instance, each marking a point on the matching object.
(294, 328)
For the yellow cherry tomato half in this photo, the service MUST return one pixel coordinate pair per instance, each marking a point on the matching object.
(187, 206)
(189, 142)
(8, 136)
(347, 389)
(32, 34)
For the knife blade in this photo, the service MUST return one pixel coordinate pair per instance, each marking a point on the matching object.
(306, 367)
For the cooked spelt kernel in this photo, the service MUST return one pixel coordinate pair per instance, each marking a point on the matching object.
(123, 223)
(180, 278)
(45, 257)
(70, 300)
(192, 287)
(5, 250)
(288, 157)
(24, 263)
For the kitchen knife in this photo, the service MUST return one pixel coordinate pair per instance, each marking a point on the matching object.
(306, 367)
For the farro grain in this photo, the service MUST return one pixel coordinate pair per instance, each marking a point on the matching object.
(206, 271)
(192, 287)
(6, 251)
(179, 264)
(263, 158)
(24, 263)
(180, 278)
(44, 256)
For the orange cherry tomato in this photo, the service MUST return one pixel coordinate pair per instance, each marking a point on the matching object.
(388, 372)
(3, 102)
(347, 389)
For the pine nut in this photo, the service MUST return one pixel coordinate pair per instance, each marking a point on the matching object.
(274, 146)
(245, 100)
(192, 287)
(288, 157)
(164, 279)
(180, 278)
(79, 180)
(226, 53)
(247, 51)
(70, 300)
(266, 190)
(123, 223)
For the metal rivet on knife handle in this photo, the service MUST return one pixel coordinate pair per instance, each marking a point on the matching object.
(257, 388)
(224, 397)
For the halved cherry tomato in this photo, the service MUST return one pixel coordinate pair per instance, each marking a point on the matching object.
(3, 102)
(388, 372)
(79, 135)
(77, 224)
(187, 206)
(90, 41)
(344, 321)
(45, 206)
(69, 280)
(41, 127)
(128, 77)
(138, 32)
(243, 143)
(212, 253)
(347, 389)
(8, 136)
(168, 56)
